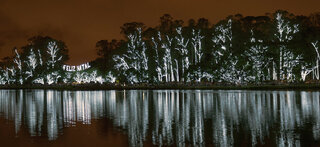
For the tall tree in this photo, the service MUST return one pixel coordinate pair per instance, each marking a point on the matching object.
(256, 54)
(50, 55)
(18, 62)
(31, 64)
(134, 63)
(316, 70)
(182, 44)
(285, 31)
(105, 50)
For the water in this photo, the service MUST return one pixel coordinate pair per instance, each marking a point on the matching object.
(159, 117)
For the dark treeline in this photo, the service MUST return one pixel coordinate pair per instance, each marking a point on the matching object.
(240, 49)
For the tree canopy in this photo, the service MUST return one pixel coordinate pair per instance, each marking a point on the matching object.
(239, 49)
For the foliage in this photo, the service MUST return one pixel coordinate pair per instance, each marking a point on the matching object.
(278, 46)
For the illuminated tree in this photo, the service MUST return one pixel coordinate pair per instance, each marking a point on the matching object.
(2, 77)
(315, 70)
(182, 49)
(172, 52)
(122, 66)
(164, 67)
(305, 71)
(52, 78)
(168, 67)
(196, 42)
(39, 80)
(54, 57)
(42, 57)
(31, 64)
(231, 72)
(85, 77)
(159, 66)
(95, 78)
(222, 39)
(285, 31)
(257, 57)
(134, 63)
(78, 77)
(54, 66)
(2, 80)
(17, 61)
(168, 62)
(227, 62)
(11, 75)
(6, 76)
(67, 77)
(110, 78)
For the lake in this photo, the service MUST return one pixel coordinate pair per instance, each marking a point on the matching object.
(159, 117)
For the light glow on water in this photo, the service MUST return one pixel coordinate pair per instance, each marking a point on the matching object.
(171, 117)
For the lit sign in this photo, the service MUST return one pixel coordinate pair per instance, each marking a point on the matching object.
(76, 68)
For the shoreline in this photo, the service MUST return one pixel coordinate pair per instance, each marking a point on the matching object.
(170, 86)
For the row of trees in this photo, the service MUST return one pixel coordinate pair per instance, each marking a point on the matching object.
(38, 62)
(41, 62)
(278, 46)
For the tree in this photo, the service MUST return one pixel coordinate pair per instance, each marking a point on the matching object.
(17, 61)
(2, 80)
(162, 45)
(222, 44)
(222, 39)
(316, 72)
(238, 49)
(166, 24)
(159, 67)
(284, 33)
(53, 63)
(168, 61)
(41, 44)
(182, 49)
(257, 57)
(11, 73)
(6, 76)
(54, 57)
(134, 63)
(50, 55)
(110, 77)
(131, 28)
(196, 42)
(105, 50)
(31, 64)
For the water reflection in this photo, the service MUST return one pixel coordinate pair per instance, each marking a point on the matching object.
(170, 117)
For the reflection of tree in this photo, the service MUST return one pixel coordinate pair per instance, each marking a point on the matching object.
(170, 116)
(130, 111)
(34, 109)
(53, 114)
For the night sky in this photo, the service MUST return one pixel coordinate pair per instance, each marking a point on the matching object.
(81, 23)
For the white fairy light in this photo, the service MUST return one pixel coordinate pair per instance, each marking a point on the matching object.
(53, 50)
(287, 60)
(18, 62)
(135, 58)
(183, 51)
(31, 64)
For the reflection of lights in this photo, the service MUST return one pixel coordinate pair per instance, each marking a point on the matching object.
(177, 116)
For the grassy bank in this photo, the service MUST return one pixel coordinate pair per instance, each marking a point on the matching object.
(202, 86)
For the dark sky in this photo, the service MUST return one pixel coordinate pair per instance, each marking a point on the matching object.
(81, 23)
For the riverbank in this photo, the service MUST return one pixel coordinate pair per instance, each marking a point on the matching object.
(173, 86)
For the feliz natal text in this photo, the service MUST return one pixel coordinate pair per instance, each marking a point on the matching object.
(76, 68)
